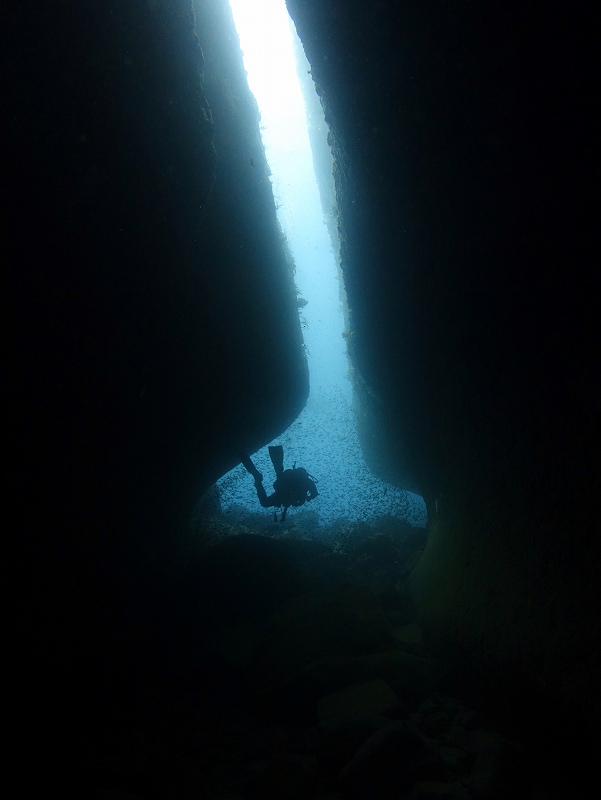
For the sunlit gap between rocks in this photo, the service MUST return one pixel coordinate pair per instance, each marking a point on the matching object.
(324, 437)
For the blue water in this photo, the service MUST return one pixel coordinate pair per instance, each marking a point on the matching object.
(324, 441)
(324, 438)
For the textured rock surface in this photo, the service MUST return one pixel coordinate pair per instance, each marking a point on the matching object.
(334, 624)
(150, 298)
(464, 142)
(361, 700)
(154, 327)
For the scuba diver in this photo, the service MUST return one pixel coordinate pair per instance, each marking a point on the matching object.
(292, 487)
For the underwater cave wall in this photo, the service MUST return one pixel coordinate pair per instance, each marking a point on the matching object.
(152, 313)
(464, 142)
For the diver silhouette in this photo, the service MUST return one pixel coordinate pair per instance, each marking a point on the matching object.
(292, 487)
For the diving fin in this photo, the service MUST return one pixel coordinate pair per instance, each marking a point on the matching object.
(250, 467)
(276, 454)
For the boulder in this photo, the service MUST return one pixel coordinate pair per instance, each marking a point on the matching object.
(409, 637)
(359, 700)
(500, 767)
(412, 678)
(340, 742)
(333, 623)
(290, 777)
(439, 790)
(242, 578)
(388, 763)
(409, 677)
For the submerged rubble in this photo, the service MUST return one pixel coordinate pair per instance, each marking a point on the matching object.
(305, 676)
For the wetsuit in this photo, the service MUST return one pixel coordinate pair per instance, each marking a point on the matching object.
(292, 487)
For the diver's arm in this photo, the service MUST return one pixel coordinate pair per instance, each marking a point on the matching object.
(266, 502)
(312, 490)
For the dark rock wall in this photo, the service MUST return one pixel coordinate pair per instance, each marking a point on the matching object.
(153, 325)
(465, 142)
(152, 313)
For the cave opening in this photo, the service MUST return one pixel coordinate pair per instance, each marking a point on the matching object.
(324, 437)
(143, 317)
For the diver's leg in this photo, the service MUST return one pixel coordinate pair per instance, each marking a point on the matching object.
(266, 502)
(276, 453)
(250, 467)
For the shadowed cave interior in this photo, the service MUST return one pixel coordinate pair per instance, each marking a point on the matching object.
(154, 334)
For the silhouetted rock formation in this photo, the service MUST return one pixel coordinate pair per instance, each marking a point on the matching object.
(154, 333)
